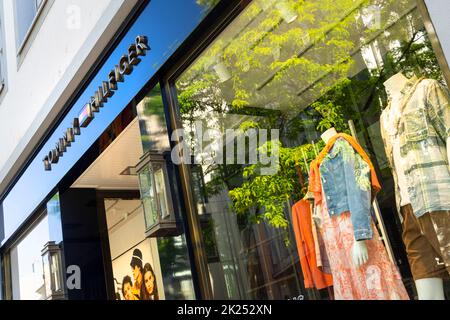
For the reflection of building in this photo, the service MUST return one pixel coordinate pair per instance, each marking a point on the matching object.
(267, 69)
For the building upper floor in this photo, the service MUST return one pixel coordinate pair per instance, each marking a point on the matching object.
(47, 47)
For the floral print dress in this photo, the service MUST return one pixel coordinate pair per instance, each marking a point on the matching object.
(378, 279)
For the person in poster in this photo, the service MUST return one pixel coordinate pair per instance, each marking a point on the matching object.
(136, 269)
(149, 287)
(127, 291)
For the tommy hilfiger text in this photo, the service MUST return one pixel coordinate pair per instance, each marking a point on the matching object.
(99, 98)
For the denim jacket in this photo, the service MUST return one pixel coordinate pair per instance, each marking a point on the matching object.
(346, 183)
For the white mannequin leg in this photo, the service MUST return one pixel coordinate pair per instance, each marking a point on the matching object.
(430, 289)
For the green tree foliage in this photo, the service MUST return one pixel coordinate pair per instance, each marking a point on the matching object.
(298, 78)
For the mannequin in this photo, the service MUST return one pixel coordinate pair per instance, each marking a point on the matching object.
(395, 84)
(360, 253)
(428, 288)
(344, 183)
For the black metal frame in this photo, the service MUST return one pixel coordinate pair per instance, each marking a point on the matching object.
(200, 39)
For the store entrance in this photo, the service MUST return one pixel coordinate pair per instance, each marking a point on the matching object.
(133, 258)
(120, 211)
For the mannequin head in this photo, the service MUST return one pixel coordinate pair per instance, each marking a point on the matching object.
(327, 135)
(395, 84)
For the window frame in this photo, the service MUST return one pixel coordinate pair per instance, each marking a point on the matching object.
(213, 25)
(23, 45)
(20, 43)
(7, 286)
(3, 64)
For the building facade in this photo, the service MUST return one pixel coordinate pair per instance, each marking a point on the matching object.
(162, 149)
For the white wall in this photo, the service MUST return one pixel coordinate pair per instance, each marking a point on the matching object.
(439, 11)
(59, 57)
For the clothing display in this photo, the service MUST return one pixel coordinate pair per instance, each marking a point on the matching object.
(416, 128)
(314, 277)
(392, 115)
(422, 129)
(315, 184)
(428, 253)
(349, 182)
(344, 183)
(378, 279)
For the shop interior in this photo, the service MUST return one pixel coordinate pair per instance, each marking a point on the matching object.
(303, 68)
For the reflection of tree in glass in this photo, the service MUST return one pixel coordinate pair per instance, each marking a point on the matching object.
(208, 3)
(175, 265)
(321, 70)
(154, 104)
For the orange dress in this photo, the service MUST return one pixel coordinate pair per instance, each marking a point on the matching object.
(301, 219)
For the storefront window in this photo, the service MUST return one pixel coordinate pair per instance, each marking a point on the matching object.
(27, 273)
(161, 197)
(278, 89)
(145, 238)
(35, 260)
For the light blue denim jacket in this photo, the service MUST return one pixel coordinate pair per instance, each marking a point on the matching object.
(347, 187)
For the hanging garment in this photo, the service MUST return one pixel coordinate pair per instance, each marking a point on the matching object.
(315, 184)
(314, 277)
(378, 279)
(345, 178)
(345, 183)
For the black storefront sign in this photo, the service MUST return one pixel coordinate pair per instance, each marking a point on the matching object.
(100, 97)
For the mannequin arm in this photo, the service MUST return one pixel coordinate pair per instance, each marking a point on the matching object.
(438, 101)
(360, 254)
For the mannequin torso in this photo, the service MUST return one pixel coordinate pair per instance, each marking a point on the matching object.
(391, 117)
(360, 253)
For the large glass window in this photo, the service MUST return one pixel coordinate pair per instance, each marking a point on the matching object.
(35, 260)
(255, 106)
(140, 204)
(27, 274)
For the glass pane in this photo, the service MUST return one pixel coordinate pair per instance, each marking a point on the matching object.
(56, 271)
(161, 192)
(148, 197)
(152, 122)
(144, 268)
(47, 275)
(27, 266)
(25, 13)
(254, 106)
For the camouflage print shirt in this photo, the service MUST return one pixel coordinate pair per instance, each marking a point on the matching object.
(423, 131)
